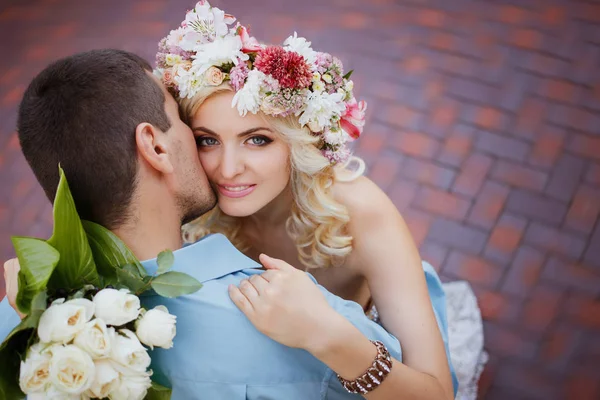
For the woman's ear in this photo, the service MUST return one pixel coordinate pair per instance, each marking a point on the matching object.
(152, 145)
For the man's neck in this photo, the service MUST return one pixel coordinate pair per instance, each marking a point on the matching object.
(150, 232)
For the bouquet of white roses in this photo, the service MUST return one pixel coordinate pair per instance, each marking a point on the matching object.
(85, 329)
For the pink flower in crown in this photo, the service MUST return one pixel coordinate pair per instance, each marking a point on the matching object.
(288, 67)
(249, 43)
(353, 120)
(238, 75)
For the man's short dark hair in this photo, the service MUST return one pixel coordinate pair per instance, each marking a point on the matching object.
(82, 112)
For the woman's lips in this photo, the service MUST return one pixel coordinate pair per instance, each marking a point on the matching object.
(236, 191)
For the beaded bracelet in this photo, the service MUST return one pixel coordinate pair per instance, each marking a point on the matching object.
(373, 377)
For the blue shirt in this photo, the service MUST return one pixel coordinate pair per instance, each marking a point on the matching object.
(218, 354)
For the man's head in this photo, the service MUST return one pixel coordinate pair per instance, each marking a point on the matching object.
(117, 134)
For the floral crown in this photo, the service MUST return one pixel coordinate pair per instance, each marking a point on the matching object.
(207, 50)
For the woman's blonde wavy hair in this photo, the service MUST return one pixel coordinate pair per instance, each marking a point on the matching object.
(317, 223)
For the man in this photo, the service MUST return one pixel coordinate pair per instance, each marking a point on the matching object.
(132, 166)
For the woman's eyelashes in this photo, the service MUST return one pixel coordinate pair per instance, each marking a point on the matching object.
(208, 141)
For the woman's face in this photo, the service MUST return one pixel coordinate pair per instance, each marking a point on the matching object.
(244, 158)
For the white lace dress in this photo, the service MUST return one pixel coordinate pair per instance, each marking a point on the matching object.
(465, 337)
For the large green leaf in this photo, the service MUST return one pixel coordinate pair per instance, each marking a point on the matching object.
(15, 345)
(37, 260)
(158, 392)
(109, 251)
(129, 276)
(76, 266)
(173, 284)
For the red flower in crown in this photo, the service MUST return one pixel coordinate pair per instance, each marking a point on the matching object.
(288, 67)
(249, 43)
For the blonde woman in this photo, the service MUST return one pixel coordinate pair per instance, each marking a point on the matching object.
(271, 124)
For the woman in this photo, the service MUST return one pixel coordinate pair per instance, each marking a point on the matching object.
(271, 125)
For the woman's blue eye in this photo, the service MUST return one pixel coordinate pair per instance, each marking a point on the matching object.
(259, 140)
(206, 141)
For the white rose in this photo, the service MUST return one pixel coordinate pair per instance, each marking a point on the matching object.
(53, 393)
(71, 369)
(327, 78)
(61, 321)
(107, 379)
(116, 307)
(157, 328)
(94, 339)
(34, 373)
(129, 352)
(132, 387)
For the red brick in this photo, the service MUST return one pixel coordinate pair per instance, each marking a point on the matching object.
(560, 90)
(402, 193)
(473, 175)
(415, 64)
(511, 15)
(433, 253)
(535, 206)
(427, 172)
(444, 115)
(505, 238)
(524, 272)
(442, 203)
(453, 234)
(354, 20)
(442, 41)
(490, 118)
(593, 174)
(547, 147)
(502, 146)
(488, 205)
(582, 386)
(554, 240)
(417, 144)
(457, 146)
(385, 170)
(585, 209)
(560, 346)
(474, 269)
(430, 18)
(67, 30)
(586, 146)
(531, 382)
(526, 38)
(572, 275)
(496, 306)
(530, 118)
(565, 177)
(504, 342)
(541, 309)
(13, 96)
(518, 175)
(418, 223)
(584, 311)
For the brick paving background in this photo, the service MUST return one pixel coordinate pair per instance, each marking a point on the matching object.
(484, 128)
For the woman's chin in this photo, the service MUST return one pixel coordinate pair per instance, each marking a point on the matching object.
(240, 210)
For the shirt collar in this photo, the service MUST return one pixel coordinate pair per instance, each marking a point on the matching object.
(209, 258)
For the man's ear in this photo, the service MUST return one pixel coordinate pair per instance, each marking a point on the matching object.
(153, 147)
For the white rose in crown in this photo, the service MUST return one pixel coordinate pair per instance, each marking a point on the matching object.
(106, 381)
(116, 307)
(156, 327)
(94, 338)
(63, 320)
(53, 393)
(72, 370)
(34, 373)
(128, 352)
(132, 387)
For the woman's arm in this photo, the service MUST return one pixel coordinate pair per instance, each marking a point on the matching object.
(385, 253)
(284, 304)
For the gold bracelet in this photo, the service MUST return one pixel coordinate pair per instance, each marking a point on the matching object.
(373, 377)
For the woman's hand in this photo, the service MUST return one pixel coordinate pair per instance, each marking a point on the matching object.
(11, 280)
(284, 304)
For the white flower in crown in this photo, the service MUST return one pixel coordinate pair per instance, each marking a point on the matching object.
(301, 46)
(322, 109)
(222, 51)
(335, 137)
(188, 82)
(249, 98)
(176, 37)
(204, 24)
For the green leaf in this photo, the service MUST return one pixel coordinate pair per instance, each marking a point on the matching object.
(37, 260)
(15, 345)
(173, 284)
(129, 276)
(349, 74)
(109, 251)
(165, 261)
(76, 265)
(158, 392)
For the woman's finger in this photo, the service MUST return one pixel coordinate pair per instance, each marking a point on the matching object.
(274, 263)
(249, 291)
(241, 301)
(259, 283)
(270, 275)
